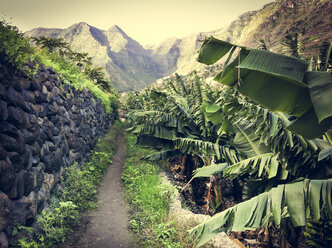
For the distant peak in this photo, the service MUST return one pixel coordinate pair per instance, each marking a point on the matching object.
(116, 28)
(80, 25)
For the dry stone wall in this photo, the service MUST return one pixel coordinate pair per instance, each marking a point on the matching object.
(45, 126)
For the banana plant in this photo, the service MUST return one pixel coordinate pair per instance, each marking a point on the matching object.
(295, 200)
(277, 82)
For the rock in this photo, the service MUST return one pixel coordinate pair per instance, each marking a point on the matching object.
(8, 129)
(15, 114)
(16, 161)
(49, 86)
(25, 158)
(37, 176)
(22, 177)
(2, 92)
(3, 240)
(52, 109)
(12, 194)
(6, 207)
(7, 175)
(13, 143)
(53, 161)
(36, 149)
(12, 97)
(22, 103)
(47, 128)
(28, 96)
(34, 85)
(3, 111)
(3, 153)
(22, 84)
(40, 78)
(20, 214)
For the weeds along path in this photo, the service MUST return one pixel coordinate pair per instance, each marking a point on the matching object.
(108, 225)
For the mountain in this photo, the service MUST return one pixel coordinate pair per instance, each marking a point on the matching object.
(311, 18)
(132, 67)
(128, 65)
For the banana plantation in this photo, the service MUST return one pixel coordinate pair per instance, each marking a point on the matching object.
(264, 129)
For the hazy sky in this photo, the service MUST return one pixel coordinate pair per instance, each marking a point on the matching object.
(147, 21)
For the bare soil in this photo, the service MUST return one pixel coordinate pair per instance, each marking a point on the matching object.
(107, 226)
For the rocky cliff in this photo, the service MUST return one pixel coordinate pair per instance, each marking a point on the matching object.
(45, 125)
(132, 67)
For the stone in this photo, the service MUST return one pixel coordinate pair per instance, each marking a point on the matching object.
(22, 84)
(8, 129)
(48, 85)
(3, 240)
(7, 142)
(7, 175)
(19, 214)
(22, 103)
(53, 161)
(15, 114)
(16, 161)
(52, 109)
(12, 194)
(6, 207)
(28, 183)
(21, 182)
(2, 92)
(47, 128)
(37, 176)
(3, 111)
(12, 96)
(25, 158)
(39, 97)
(3, 153)
(36, 149)
(31, 136)
(40, 77)
(34, 85)
(28, 96)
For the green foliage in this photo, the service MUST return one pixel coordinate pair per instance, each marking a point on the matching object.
(51, 44)
(72, 75)
(318, 233)
(15, 50)
(295, 200)
(278, 83)
(238, 138)
(149, 199)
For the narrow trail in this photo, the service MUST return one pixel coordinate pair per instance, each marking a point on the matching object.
(108, 224)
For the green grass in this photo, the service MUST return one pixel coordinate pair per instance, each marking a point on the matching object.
(72, 75)
(79, 188)
(149, 200)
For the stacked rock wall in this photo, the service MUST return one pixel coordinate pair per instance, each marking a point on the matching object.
(45, 126)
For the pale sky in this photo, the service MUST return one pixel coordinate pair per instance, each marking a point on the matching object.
(147, 21)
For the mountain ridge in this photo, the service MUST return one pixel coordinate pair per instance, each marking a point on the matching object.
(131, 66)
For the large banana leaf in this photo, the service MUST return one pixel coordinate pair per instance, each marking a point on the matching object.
(212, 50)
(277, 82)
(208, 171)
(195, 146)
(301, 199)
(248, 143)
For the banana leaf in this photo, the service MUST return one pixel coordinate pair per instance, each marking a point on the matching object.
(301, 199)
(208, 171)
(279, 83)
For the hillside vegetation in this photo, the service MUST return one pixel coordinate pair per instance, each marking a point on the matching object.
(131, 66)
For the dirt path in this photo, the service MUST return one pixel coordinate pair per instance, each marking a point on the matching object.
(108, 224)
